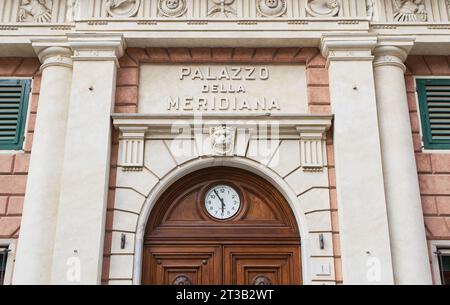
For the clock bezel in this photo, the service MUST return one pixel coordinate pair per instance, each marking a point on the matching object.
(238, 190)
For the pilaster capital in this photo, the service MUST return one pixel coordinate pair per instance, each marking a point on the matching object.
(97, 47)
(53, 52)
(392, 51)
(341, 47)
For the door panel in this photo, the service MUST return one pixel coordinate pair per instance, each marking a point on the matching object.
(261, 265)
(182, 265)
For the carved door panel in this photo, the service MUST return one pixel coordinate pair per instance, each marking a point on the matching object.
(183, 265)
(262, 265)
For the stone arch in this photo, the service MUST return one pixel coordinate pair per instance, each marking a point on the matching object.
(196, 164)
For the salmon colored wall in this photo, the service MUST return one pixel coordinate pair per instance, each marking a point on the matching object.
(127, 92)
(433, 168)
(14, 165)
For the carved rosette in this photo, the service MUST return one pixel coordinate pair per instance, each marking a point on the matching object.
(323, 8)
(39, 11)
(122, 8)
(261, 280)
(222, 9)
(272, 8)
(172, 8)
(182, 280)
(410, 11)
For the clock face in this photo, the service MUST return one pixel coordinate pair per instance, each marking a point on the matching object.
(222, 202)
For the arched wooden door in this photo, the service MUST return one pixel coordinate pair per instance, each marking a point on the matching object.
(221, 225)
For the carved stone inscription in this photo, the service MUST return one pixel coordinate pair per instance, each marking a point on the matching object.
(223, 88)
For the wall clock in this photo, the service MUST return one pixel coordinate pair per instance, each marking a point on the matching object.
(222, 201)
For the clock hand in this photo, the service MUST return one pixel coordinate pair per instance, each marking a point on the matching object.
(221, 200)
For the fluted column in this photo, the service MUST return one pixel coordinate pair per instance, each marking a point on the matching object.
(363, 223)
(37, 231)
(78, 253)
(406, 224)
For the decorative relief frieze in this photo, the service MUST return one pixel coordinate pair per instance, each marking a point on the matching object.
(122, 8)
(240, 11)
(39, 11)
(272, 8)
(172, 8)
(323, 8)
(410, 11)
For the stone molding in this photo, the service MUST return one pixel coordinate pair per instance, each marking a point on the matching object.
(96, 47)
(392, 51)
(53, 52)
(131, 143)
(341, 47)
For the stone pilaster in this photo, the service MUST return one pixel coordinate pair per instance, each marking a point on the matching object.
(365, 245)
(78, 253)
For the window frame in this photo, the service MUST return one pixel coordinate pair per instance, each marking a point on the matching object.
(435, 246)
(10, 244)
(18, 142)
(427, 141)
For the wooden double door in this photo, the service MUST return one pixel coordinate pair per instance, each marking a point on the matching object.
(223, 264)
(186, 245)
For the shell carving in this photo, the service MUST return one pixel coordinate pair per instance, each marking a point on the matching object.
(410, 11)
(36, 11)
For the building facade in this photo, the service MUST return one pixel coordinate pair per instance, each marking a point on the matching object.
(225, 142)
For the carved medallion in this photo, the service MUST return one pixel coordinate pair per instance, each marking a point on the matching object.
(182, 280)
(172, 8)
(222, 9)
(35, 11)
(222, 139)
(323, 8)
(261, 280)
(410, 11)
(122, 8)
(272, 8)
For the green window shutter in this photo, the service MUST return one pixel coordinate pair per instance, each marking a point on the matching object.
(434, 106)
(14, 95)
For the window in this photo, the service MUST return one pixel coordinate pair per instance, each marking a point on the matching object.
(434, 106)
(3, 260)
(444, 265)
(14, 96)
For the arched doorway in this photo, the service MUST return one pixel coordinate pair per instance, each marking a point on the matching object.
(221, 225)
